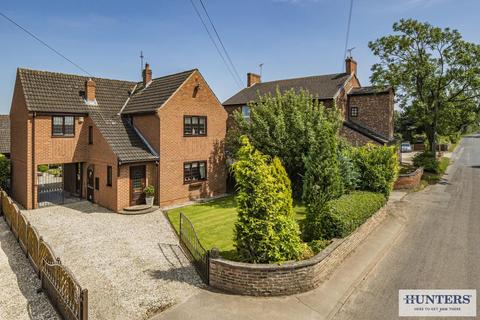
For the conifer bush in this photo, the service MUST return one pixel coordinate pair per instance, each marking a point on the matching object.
(266, 230)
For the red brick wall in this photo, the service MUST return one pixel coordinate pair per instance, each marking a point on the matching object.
(20, 151)
(375, 112)
(409, 181)
(175, 149)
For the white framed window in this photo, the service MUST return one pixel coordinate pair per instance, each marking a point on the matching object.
(246, 112)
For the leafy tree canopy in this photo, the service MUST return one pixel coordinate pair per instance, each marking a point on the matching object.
(435, 73)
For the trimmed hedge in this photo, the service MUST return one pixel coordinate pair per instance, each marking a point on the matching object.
(347, 213)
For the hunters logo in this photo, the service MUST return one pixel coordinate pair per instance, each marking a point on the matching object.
(437, 303)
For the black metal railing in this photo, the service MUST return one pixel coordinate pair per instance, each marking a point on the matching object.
(199, 256)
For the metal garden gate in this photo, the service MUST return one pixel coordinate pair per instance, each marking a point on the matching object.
(199, 256)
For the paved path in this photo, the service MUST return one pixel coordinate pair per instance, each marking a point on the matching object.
(19, 299)
(439, 247)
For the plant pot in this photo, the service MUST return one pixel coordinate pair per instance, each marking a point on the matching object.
(149, 200)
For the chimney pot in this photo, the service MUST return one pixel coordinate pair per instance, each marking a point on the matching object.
(147, 75)
(350, 66)
(253, 78)
(90, 87)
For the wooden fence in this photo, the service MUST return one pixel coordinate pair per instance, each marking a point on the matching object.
(57, 280)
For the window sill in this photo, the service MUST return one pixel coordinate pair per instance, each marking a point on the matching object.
(195, 183)
(194, 136)
(63, 136)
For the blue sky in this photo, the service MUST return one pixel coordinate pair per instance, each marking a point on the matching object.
(291, 37)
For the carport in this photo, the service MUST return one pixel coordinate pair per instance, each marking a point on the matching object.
(59, 183)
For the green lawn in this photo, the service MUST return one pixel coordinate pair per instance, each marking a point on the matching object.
(214, 222)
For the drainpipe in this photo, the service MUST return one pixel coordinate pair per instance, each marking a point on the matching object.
(157, 182)
(34, 170)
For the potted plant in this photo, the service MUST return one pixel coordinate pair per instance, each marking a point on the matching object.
(149, 194)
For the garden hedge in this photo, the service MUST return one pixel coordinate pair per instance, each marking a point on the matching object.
(347, 213)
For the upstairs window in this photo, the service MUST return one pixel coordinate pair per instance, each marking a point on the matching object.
(194, 126)
(354, 112)
(246, 112)
(194, 171)
(63, 126)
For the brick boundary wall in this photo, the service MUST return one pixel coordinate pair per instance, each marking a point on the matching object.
(291, 277)
(409, 180)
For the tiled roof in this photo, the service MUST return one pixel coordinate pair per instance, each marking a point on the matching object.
(4, 133)
(122, 137)
(58, 92)
(375, 136)
(156, 93)
(321, 87)
(63, 93)
(369, 90)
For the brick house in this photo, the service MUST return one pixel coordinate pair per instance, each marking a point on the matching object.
(111, 138)
(367, 111)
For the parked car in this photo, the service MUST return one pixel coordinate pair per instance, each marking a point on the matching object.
(405, 147)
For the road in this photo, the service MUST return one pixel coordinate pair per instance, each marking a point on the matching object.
(439, 247)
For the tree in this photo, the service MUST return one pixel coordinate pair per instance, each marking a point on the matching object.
(435, 74)
(284, 125)
(322, 181)
(266, 230)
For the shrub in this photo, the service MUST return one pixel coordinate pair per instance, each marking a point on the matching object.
(318, 245)
(348, 170)
(322, 181)
(4, 172)
(345, 214)
(283, 125)
(378, 167)
(266, 230)
(149, 191)
(42, 168)
(428, 161)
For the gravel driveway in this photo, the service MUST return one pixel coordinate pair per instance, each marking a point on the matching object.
(132, 266)
(19, 299)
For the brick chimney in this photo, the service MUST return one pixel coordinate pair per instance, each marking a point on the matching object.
(350, 66)
(90, 87)
(253, 78)
(147, 75)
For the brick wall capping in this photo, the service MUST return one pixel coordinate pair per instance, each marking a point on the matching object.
(287, 265)
(411, 174)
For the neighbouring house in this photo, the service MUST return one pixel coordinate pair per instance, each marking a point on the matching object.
(5, 135)
(367, 111)
(105, 140)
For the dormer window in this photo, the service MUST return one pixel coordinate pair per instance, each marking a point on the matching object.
(63, 126)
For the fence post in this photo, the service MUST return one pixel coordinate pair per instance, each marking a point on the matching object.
(84, 306)
(180, 230)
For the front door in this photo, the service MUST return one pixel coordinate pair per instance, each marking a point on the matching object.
(137, 184)
(90, 183)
